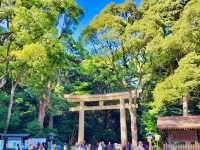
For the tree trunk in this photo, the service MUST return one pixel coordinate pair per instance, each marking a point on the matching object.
(2, 81)
(72, 138)
(42, 107)
(133, 115)
(49, 91)
(50, 121)
(42, 112)
(12, 94)
(58, 77)
(185, 105)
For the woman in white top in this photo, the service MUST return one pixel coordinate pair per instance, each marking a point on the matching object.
(65, 147)
(100, 146)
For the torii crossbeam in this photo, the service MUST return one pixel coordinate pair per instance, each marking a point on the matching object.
(119, 97)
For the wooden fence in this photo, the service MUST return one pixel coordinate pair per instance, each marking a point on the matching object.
(181, 147)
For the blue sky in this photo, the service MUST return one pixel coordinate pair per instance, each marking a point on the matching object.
(92, 8)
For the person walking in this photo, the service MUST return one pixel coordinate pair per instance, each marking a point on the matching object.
(124, 146)
(97, 145)
(23, 146)
(109, 146)
(103, 145)
(81, 146)
(40, 147)
(140, 146)
(100, 147)
(128, 146)
(18, 147)
(31, 147)
(88, 147)
(45, 146)
(58, 147)
(53, 147)
(65, 146)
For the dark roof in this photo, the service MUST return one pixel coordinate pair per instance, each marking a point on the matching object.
(178, 122)
(14, 135)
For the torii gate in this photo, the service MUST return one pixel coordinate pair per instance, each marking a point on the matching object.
(101, 98)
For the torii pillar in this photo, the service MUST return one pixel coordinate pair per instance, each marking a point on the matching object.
(81, 125)
(123, 125)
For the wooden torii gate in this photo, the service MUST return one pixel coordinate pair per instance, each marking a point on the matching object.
(101, 99)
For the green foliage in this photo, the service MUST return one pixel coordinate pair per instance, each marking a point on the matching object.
(57, 104)
(101, 77)
(149, 121)
(187, 28)
(33, 128)
(113, 41)
(36, 53)
(184, 80)
(15, 121)
(3, 110)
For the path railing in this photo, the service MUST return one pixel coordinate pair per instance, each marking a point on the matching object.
(181, 147)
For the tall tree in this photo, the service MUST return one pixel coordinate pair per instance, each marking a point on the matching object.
(184, 80)
(28, 23)
(166, 51)
(109, 36)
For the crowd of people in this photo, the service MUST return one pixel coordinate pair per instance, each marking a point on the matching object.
(81, 146)
(109, 146)
(42, 146)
